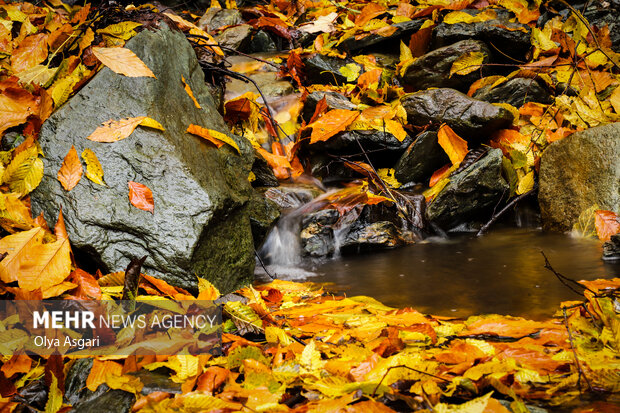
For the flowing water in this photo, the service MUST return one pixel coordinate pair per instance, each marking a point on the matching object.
(502, 272)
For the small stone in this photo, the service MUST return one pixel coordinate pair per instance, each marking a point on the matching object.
(236, 37)
(611, 249)
(317, 235)
(470, 192)
(433, 68)
(216, 18)
(423, 157)
(515, 92)
(472, 119)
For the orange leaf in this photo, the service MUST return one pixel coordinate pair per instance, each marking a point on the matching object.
(87, 286)
(189, 92)
(368, 78)
(19, 363)
(100, 371)
(31, 51)
(369, 12)
(16, 104)
(331, 123)
(452, 144)
(122, 61)
(115, 130)
(141, 197)
(607, 224)
(71, 170)
(212, 378)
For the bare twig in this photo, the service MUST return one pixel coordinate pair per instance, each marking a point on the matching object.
(508, 206)
(374, 392)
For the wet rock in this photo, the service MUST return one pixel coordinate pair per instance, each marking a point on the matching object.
(334, 100)
(469, 192)
(317, 235)
(112, 401)
(262, 43)
(263, 214)
(236, 37)
(326, 69)
(516, 92)
(382, 146)
(578, 172)
(369, 236)
(611, 249)
(473, 119)
(433, 68)
(375, 41)
(271, 86)
(421, 159)
(292, 196)
(200, 225)
(601, 14)
(329, 169)
(216, 18)
(511, 38)
(264, 176)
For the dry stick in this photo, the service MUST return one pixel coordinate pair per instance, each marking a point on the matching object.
(512, 203)
(374, 392)
(570, 340)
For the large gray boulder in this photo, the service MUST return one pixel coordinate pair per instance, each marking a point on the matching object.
(578, 172)
(470, 192)
(433, 69)
(200, 225)
(473, 119)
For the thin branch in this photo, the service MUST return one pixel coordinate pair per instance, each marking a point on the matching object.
(374, 392)
(508, 206)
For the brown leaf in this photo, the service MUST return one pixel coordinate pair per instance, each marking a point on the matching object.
(420, 41)
(212, 379)
(331, 123)
(141, 197)
(31, 51)
(87, 286)
(71, 170)
(115, 130)
(122, 61)
(19, 363)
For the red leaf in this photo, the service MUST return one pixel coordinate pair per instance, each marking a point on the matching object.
(141, 197)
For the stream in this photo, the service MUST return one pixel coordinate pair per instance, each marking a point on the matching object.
(501, 272)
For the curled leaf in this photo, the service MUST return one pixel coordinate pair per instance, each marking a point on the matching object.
(213, 136)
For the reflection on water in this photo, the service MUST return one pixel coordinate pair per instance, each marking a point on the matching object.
(501, 272)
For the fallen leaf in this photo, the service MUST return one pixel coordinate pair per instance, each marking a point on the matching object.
(141, 197)
(454, 146)
(331, 123)
(189, 92)
(607, 224)
(16, 104)
(25, 171)
(71, 170)
(115, 130)
(122, 61)
(467, 63)
(30, 52)
(94, 171)
(213, 136)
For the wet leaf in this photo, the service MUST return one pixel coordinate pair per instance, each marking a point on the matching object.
(213, 136)
(94, 170)
(351, 71)
(607, 224)
(25, 171)
(31, 51)
(189, 92)
(71, 170)
(331, 123)
(454, 146)
(54, 398)
(16, 105)
(122, 61)
(141, 197)
(115, 130)
(123, 30)
(467, 63)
